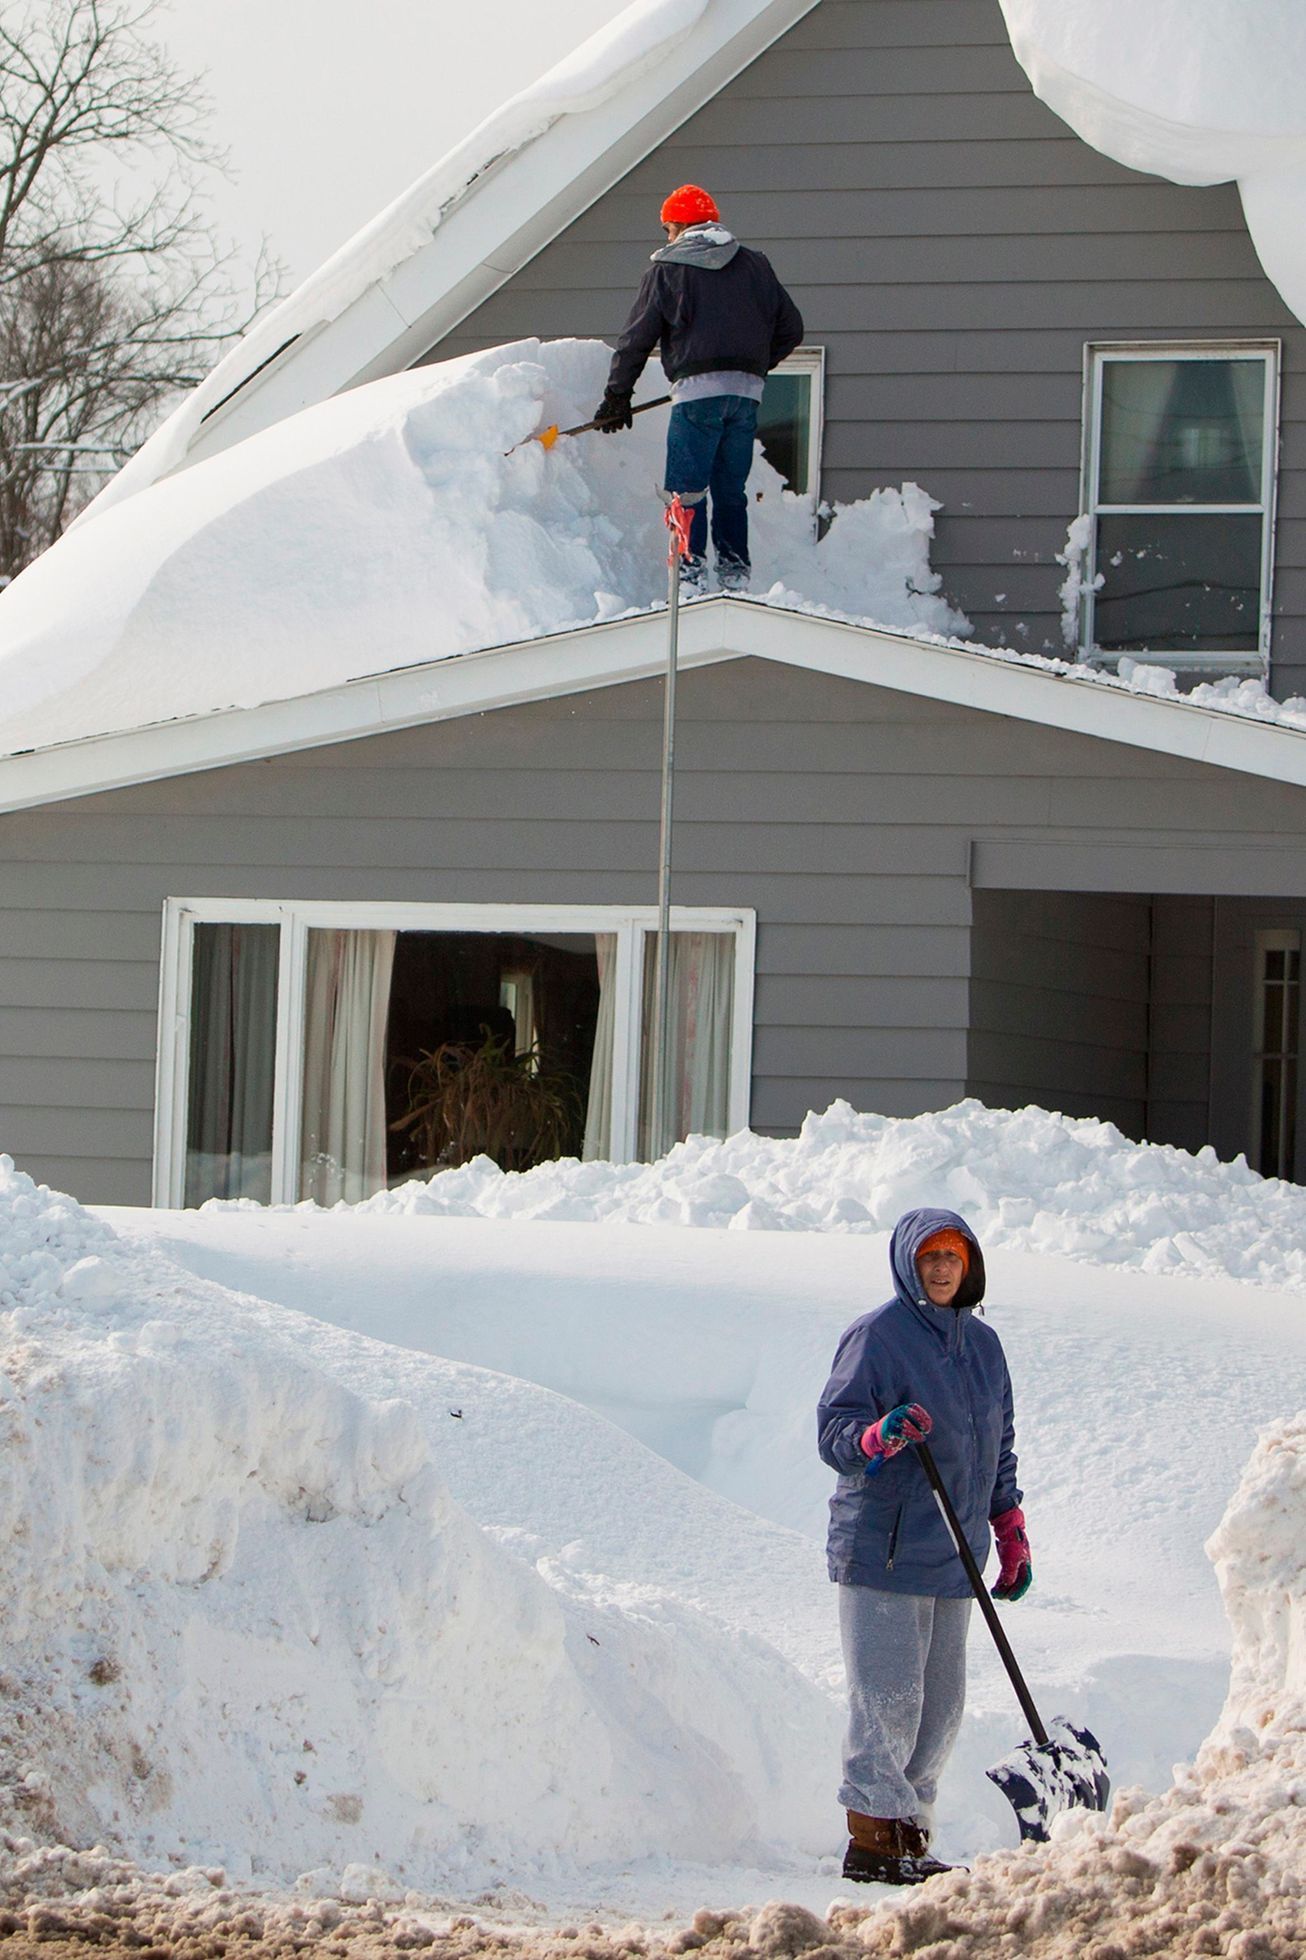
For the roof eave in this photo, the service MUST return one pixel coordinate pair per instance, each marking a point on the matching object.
(632, 649)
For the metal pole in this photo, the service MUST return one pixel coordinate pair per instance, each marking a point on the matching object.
(658, 1046)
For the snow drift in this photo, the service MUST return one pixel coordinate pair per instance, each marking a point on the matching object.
(1029, 1180)
(242, 1609)
(396, 524)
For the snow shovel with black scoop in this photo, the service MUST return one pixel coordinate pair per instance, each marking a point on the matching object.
(547, 437)
(1061, 1768)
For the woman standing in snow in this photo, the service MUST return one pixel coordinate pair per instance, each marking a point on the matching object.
(921, 1365)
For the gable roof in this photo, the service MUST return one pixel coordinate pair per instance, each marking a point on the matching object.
(469, 224)
(1043, 692)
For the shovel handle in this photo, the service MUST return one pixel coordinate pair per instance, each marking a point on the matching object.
(659, 401)
(981, 1592)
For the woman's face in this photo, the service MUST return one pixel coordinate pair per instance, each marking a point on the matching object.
(941, 1275)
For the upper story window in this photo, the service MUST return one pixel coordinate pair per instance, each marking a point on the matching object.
(1179, 467)
(790, 418)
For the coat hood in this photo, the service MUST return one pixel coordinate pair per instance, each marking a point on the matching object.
(910, 1234)
(710, 246)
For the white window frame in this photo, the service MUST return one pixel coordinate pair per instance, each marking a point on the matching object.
(1272, 939)
(811, 362)
(1097, 354)
(298, 917)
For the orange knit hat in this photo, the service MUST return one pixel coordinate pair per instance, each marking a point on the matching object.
(690, 206)
(946, 1241)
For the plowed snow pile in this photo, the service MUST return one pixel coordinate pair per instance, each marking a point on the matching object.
(240, 1609)
(1028, 1179)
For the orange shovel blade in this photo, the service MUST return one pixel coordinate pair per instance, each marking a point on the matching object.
(547, 437)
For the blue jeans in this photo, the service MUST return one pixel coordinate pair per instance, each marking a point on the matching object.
(710, 447)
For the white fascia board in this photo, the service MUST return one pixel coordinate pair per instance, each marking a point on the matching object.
(510, 213)
(634, 649)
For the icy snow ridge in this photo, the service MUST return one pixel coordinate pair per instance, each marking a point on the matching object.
(1027, 1179)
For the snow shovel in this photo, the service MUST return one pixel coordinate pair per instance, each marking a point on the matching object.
(1061, 1768)
(547, 437)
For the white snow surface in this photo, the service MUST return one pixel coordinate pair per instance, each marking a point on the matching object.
(1202, 95)
(338, 1539)
(388, 527)
(1029, 1180)
(413, 520)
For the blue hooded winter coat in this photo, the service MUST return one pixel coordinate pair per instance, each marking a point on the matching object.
(885, 1527)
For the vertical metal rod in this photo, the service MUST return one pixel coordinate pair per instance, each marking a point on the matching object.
(659, 1045)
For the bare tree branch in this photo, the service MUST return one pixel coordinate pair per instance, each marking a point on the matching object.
(112, 300)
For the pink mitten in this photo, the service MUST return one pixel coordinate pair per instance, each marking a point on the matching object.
(1017, 1570)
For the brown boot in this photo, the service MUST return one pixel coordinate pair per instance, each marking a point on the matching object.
(888, 1851)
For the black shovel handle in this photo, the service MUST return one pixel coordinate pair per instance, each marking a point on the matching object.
(981, 1592)
(659, 401)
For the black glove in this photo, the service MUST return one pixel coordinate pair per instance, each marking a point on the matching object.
(613, 412)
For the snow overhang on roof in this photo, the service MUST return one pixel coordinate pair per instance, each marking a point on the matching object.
(712, 631)
(1206, 94)
(480, 214)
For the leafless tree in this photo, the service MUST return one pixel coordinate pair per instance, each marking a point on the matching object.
(114, 292)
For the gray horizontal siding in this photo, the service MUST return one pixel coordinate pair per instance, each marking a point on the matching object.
(953, 246)
(846, 816)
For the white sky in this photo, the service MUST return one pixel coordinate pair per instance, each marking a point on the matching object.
(329, 108)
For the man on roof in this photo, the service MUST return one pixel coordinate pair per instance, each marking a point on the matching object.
(723, 321)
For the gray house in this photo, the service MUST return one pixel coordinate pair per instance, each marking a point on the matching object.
(905, 872)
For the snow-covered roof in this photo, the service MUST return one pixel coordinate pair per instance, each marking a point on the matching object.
(406, 552)
(1046, 692)
(469, 223)
(1209, 94)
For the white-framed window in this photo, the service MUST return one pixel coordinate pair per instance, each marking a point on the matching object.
(317, 1050)
(791, 417)
(1276, 1040)
(1180, 448)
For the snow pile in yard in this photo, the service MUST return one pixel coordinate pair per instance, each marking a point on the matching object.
(388, 527)
(243, 1622)
(1027, 1179)
(1200, 95)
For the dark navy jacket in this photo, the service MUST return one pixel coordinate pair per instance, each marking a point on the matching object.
(885, 1527)
(712, 304)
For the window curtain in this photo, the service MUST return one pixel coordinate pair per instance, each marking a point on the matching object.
(1136, 400)
(233, 1043)
(598, 1110)
(347, 1010)
(695, 1068)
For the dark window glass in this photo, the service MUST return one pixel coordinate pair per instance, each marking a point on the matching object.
(1178, 583)
(233, 1040)
(784, 424)
(1182, 432)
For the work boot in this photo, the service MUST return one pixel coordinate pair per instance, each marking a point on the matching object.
(888, 1851)
(732, 576)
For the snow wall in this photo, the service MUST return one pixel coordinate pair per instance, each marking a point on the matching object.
(243, 1618)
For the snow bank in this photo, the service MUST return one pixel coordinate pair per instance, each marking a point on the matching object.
(245, 1624)
(1199, 95)
(387, 527)
(1029, 1180)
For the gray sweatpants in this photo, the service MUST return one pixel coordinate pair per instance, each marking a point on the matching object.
(906, 1662)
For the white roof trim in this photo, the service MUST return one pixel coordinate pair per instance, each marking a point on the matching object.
(635, 649)
(479, 215)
